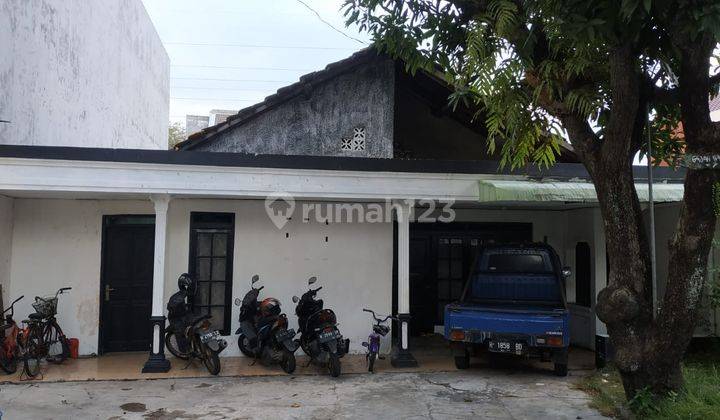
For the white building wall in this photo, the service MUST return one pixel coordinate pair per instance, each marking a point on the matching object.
(354, 266)
(57, 243)
(82, 73)
(6, 229)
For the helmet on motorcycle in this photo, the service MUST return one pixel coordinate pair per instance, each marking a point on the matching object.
(187, 284)
(270, 306)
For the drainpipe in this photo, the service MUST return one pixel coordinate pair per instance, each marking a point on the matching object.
(651, 209)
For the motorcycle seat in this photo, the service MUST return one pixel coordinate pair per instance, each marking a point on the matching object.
(35, 315)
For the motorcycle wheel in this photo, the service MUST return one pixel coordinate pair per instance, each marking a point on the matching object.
(371, 362)
(172, 345)
(288, 362)
(244, 346)
(334, 365)
(210, 360)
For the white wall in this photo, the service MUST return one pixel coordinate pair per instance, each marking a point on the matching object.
(57, 243)
(6, 228)
(354, 266)
(82, 73)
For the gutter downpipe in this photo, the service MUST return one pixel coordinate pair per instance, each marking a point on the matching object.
(651, 209)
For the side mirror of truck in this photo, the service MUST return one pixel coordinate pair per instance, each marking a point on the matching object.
(566, 272)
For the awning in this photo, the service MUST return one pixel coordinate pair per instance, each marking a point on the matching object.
(573, 192)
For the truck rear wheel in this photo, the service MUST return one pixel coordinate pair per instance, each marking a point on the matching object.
(462, 361)
(561, 369)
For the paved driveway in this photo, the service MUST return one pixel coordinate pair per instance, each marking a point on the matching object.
(502, 394)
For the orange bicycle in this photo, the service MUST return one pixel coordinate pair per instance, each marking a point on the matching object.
(9, 349)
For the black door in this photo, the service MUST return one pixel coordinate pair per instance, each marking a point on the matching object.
(126, 284)
(441, 256)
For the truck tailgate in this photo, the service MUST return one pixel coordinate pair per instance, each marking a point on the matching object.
(505, 321)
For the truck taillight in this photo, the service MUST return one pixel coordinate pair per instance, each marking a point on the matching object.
(457, 335)
(554, 341)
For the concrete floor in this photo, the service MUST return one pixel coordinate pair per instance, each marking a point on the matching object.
(432, 353)
(474, 393)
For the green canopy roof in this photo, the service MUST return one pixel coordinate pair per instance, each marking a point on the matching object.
(557, 191)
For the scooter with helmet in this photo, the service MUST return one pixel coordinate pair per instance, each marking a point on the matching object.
(190, 335)
(320, 337)
(264, 332)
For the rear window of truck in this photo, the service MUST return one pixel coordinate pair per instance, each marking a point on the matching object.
(515, 275)
(516, 263)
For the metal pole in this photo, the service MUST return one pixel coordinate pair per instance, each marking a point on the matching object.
(651, 209)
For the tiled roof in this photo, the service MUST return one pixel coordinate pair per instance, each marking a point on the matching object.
(283, 94)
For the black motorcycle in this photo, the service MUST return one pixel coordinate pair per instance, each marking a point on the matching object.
(320, 338)
(189, 335)
(264, 332)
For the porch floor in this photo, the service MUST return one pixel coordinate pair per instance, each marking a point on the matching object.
(432, 355)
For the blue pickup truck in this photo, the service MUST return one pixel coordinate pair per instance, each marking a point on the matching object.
(513, 302)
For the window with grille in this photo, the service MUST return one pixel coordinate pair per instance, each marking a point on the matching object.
(211, 256)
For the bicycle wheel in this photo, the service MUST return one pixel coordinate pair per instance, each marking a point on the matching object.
(31, 355)
(58, 348)
(8, 359)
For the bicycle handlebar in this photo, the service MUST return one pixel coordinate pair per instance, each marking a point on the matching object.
(261, 287)
(317, 290)
(13, 304)
(376, 317)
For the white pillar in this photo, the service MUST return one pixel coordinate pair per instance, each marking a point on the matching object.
(161, 202)
(403, 209)
(157, 362)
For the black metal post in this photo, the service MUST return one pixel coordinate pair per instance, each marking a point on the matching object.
(156, 362)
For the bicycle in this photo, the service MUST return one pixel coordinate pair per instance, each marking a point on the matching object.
(43, 337)
(9, 349)
(373, 343)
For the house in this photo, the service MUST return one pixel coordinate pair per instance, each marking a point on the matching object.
(358, 174)
(88, 74)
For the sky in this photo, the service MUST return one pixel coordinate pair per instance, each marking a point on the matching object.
(230, 54)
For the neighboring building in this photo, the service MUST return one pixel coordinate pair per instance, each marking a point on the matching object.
(195, 123)
(218, 116)
(359, 134)
(82, 73)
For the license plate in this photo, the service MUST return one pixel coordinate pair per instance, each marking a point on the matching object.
(211, 335)
(326, 336)
(506, 347)
(285, 335)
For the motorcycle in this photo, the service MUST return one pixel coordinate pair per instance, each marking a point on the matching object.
(264, 332)
(9, 349)
(373, 344)
(189, 335)
(319, 335)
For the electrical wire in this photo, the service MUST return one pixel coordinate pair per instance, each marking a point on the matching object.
(238, 67)
(280, 47)
(330, 24)
(233, 80)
